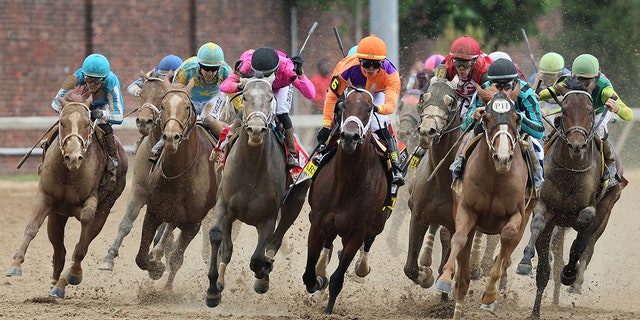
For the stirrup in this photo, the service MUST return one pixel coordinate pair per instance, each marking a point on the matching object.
(292, 161)
(396, 177)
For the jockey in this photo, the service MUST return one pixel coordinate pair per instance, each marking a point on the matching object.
(207, 70)
(263, 62)
(371, 70)
(503, 75)
(107, 105)
(605, 100)
(167, 64)
(551, 69)
(503, 55)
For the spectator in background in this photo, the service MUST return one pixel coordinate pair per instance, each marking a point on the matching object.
(321, 81)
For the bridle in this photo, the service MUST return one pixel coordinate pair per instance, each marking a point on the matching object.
(452, 112)
(189, 125)
(587, 133)
(501, 107)
(85, 141)
(362, 127)
(266, 118)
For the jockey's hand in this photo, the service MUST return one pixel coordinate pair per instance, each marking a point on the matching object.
(323, 135)
(612, 105)
(96, 114)
(376, 109)
(478, 113)
(297, 64)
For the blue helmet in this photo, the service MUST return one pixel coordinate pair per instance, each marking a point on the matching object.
(169, 63)
(353, 50)
(95, 65)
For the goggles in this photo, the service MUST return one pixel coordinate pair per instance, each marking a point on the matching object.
(508, 85)
(93, 80)
(209, 68)
(367, 64)
(465, 64)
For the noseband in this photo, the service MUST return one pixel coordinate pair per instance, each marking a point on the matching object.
(452, 113)
(362, 127)
(186, 127)
(588, 134)
(501, 108)
(267, 118)
(85, 141)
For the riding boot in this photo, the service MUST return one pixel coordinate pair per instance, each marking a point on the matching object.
(396, 171)
(610, 171)
(292, 158)
(536, 168)
(155, 151)
(415, 158)
(457, 166)
(112, 152)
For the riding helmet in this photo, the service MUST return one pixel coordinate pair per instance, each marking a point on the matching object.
(551, 63)
(585, 65)
(502, 70)
(465, 48)
(169, 63)
(353, 50)
(95, 65)
(433, 61)
(499, 55)
(372, 48)
(210, 54)
(265, 60)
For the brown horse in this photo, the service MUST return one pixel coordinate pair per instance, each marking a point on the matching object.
(431, 201)
(149, 126)
(492, 200)
(346, 200)
(182, 185)
(408, 118)
(570, 196)
(70, 186)
(253, 189)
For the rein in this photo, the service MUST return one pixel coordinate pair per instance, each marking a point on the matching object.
(363, 128)
(266, 118)
(84, 141)
(195, 157)
(186, 128)
(588, 134)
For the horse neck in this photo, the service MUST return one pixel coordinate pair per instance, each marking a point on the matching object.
(177, 163)
(357, 165)
(561, 154)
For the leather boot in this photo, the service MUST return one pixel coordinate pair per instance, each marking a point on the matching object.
(292, 157)
(610, 171)
(536, 168)
(396, 171)
(112, 152)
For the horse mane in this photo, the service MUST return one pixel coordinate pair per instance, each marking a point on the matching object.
(572, 83)
(77, 94)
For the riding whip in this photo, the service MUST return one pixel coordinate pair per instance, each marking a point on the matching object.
(335, 30)
(313, 28)
(526, 39)
(26, 155)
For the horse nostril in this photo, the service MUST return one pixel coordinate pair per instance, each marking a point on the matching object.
(149, 122)
(583, 146)
(138, 122)
(432, 132)
(176, 137)
(80, 158)
(66, 158)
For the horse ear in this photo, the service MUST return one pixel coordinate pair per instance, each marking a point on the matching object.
(485, 94)
(592, 85)
(143, 75)
(271, 78)
(454, 82)
(515, 92)
(189, 85)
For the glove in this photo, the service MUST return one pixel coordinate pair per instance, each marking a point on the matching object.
(96, 114)
(297, 64)
(376, 108)
(323, 134)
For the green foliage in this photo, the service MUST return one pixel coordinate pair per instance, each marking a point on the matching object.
(607, 30)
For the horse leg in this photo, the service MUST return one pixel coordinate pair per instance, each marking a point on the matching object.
(261, 264)
(312, 281)
(40, 210)
(475, 266)
(55, 231)
(570, 270)
(362, 268)
(177, 254)
(416, 270)
(163, 242)
(207, 223)
(216, 273)
(323, 260)
(463, 276)
(543, 268)
(350, 246)
(149, 226)
(557, 251)
(134, 205)
(226, 248)
(427, 251)
(488, 256)
(288, 214)
(538, 223)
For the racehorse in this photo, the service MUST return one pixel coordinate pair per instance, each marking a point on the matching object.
(148, 123)
(182, 185)
(491, 200)
(346, 200)
(71, 186)
(431, 201)
(408, 118)
(571, 195)
(253, 189)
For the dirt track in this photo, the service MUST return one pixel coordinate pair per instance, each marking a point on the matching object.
(611, 289)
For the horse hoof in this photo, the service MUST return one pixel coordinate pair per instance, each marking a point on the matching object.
(261, 285)
(575, 288)
(443, 286)
(524, 269)
(106, 265)
(425, 278)
(57, 292)
(491, 308)
(14, 272)
(156, 273)
(355, 277)
(73, 279)
(213, 300)
(568, 277)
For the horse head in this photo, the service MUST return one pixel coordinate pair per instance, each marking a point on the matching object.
(153, 90)
(258, 108)
(76, 128)
(356, 111)
(577, 127)
(178, 115)
(408, 118)
(501, 125)
(438, 110)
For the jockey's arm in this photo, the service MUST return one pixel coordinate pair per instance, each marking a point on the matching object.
(611, 99)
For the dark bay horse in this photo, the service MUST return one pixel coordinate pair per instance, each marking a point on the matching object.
(70, 186)
(253, 189)
(182, 185)
(431, 201)
(149, 126)
(346, 200)
(491, 200)
(570, 195)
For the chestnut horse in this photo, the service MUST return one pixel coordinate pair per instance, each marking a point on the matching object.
(431, 201)
(570, 196)
(70, 186)
(346, 200)
(492, 200)
(182, 185)
(148, 123)
(256, 189)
